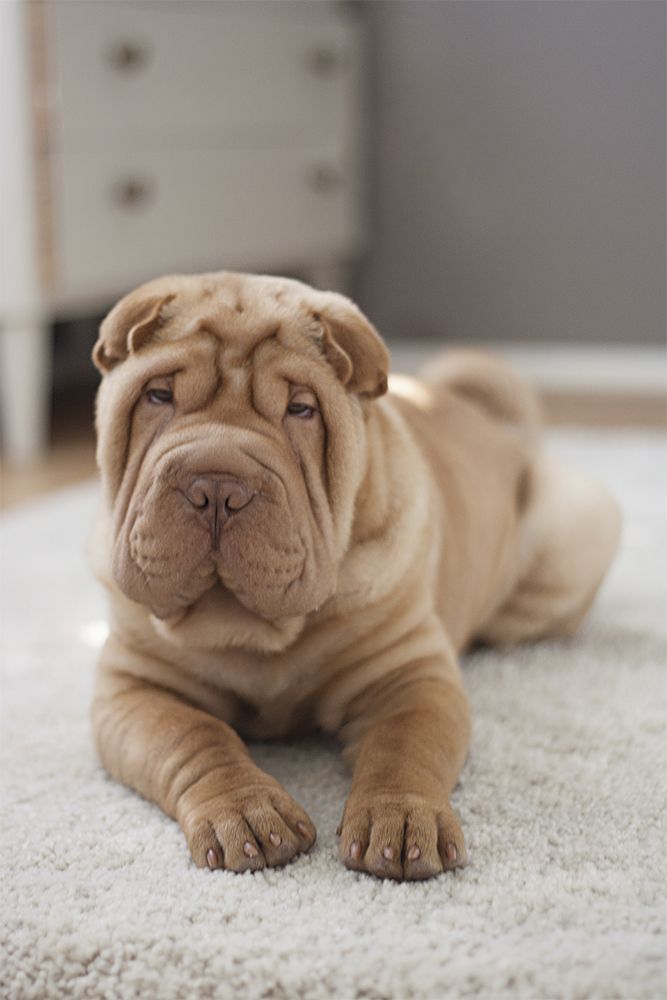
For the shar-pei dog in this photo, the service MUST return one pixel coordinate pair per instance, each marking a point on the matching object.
(289, 546)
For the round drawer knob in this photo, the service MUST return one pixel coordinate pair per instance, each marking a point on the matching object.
(324, 178)
(133, 192)
(323, 60)
(129, 56)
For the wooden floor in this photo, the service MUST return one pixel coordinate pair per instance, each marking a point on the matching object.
(71, 457)
(605, 410)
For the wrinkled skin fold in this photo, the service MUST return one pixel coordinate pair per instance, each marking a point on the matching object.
(262, 558)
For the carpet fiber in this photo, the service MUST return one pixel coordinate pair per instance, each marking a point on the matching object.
(562, 802)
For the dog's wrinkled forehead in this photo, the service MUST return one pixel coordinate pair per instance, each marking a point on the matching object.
(242, 311)
(238, 311)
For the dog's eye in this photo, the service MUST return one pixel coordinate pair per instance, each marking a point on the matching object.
(159, 396)
(301, 410)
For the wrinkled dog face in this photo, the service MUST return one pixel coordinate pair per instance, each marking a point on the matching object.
(231, 439)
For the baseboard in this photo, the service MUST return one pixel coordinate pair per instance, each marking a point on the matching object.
(605, 385)
(604, 368)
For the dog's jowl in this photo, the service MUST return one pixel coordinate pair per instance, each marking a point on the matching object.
(289, 546)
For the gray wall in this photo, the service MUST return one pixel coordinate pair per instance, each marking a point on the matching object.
(518, 177)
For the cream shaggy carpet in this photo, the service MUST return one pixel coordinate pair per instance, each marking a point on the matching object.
(562, 801)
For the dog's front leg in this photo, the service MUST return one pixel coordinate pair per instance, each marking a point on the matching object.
(408, 738)
(196, 768)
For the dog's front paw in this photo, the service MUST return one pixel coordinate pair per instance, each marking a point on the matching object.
(255, 827)
(400, 836)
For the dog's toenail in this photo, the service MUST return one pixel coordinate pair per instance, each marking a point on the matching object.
(302, 828)
(249, 850)
(275, 839)
(212, 858)
(388, 853)
(414, 853)
(355, 850)
(452, 853)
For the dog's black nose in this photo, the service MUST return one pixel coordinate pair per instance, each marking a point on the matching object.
(218, 497)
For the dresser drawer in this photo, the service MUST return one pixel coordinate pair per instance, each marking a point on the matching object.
(123, 217)
(154, 74)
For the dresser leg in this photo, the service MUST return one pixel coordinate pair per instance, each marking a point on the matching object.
(25, 396)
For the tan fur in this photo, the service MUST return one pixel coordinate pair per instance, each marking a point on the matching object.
(272, 573)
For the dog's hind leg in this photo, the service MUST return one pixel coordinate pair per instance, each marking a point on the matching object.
(570, 534)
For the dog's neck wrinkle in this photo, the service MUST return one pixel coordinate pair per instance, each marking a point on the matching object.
(373, 502)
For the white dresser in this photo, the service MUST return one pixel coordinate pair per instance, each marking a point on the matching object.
(140, 138)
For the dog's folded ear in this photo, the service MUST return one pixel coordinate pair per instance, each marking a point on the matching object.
(129, 325)
(352, 346)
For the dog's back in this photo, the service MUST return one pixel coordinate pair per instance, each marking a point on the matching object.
(526, 541)
(487, 382)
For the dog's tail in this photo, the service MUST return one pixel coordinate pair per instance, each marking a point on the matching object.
(489, 384)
